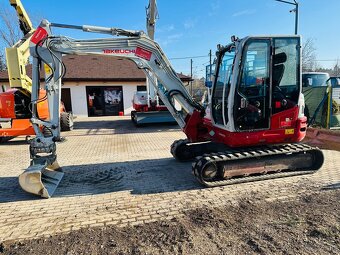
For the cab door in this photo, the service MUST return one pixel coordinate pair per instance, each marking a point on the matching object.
(251, 108)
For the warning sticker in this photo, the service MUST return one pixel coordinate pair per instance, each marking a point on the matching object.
(48, 70)
(289, 131)
(38, 35)
(142, 53)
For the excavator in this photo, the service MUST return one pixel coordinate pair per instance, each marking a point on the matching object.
(250, 130)
(148, 108)
(15, 112)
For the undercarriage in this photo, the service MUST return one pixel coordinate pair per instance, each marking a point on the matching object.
(216, 165)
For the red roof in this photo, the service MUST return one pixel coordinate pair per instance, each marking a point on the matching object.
(97, 68)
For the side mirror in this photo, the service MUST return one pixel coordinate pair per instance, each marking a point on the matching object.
(234, 38)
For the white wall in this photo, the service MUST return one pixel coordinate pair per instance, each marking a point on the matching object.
(78, 99)
(6, 87)
(128, 91)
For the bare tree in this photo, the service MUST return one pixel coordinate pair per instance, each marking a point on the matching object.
(308, 56)
(336, 69)
(10, 31)
(2, 61)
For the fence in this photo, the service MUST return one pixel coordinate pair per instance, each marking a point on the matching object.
(323, 106)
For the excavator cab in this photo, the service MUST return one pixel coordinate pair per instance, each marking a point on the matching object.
(261, 81)
(257, 113)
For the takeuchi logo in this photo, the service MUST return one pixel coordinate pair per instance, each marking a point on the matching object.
(118, 51)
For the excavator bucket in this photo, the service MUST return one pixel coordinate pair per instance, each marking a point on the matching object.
(41, 179)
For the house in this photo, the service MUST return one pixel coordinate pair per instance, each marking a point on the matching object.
(102, 83)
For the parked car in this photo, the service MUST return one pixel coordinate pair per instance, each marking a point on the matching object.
(315, 79)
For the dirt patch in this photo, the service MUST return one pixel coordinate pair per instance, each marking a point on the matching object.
(323, 138)
(307, 225)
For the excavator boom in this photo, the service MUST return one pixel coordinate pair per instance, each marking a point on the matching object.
(48, 50)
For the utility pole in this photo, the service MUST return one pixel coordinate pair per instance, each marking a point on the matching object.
(296, 10)
(191, 61)
(151, 16)
(296, 16)
(210, 74)
(210, 67)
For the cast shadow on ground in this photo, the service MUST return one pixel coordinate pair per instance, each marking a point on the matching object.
(18, 141)
(137, 177)
(332, 186)
(96, 127)
(123, 126)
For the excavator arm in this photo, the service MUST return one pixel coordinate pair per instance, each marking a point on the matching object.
(46, 49)
(24, 20)
(151, 16)
(17, 56)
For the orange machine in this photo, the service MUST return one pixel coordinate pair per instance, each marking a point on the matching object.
(15, 104)
(15, 113)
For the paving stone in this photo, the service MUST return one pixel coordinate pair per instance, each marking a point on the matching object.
(118, 174)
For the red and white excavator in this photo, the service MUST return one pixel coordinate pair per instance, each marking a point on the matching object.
(250, 130)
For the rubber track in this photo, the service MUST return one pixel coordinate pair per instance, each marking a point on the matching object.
(176, 144)
(244, 153)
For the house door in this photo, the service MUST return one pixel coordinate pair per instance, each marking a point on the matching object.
(104, 101)
(66, 99)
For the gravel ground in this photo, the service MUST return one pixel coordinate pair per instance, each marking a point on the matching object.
(305, 225)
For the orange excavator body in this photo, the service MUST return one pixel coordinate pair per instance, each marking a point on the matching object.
(15, 108)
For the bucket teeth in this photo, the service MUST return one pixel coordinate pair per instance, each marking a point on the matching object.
(54, 166)
(41, 179)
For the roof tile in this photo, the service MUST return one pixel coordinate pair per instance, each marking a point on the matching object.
(85, 68)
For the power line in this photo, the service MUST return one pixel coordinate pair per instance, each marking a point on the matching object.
(205, 56)
(326, 60)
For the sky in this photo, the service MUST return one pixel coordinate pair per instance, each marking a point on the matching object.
(190, 28)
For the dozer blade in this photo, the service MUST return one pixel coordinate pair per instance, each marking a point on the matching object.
(152, 117)
(41, 179)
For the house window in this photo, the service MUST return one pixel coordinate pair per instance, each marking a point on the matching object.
(141, 88)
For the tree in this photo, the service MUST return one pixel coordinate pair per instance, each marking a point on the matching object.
(336, 69)
(2, 62)
(10, 32)
(9, 28)
(308, 56)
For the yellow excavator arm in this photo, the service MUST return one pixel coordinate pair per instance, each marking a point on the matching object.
(17, 56)
(24, 21)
